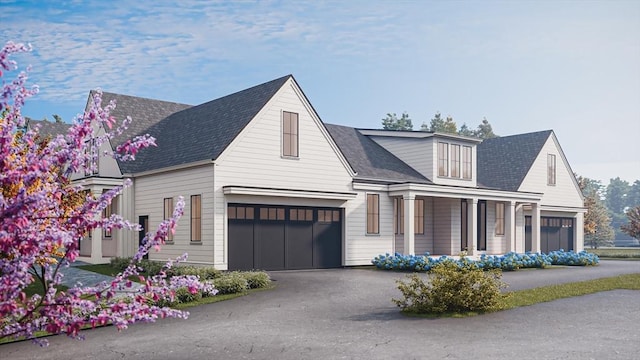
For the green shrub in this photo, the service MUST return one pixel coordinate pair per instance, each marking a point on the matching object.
(452, 289)
(204, 272)
(183, 295)
(120, 263)
(150, 267)
(230, 283)
(257, 279)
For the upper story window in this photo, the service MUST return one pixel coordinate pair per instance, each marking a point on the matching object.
(289, 134)
(373, 214)
(443, 159)
(456, 163)
(466, 162)
(551, 169)
(455, 160)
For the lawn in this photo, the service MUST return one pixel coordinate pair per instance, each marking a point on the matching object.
(616, 253)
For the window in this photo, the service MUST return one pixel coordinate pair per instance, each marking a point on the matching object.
(327, 216)
(466, 162)
(240, 213)
(301, 214)
(107, 212)
(443, 159)
(289, 134)
(418, 216)
(168, 212)
(91, 164)
(455, 161)
(499, 218)
(551, 169)
(373, 214)
(196, 217)
(271, 213)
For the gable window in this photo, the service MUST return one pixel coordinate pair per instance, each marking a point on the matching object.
(373, 214)
(466, 162)
(418, 216)
(168, 212)
(443, 159)
(551, 169)
(499, 218)
(455, 160)
(196, 218)
(289, 134)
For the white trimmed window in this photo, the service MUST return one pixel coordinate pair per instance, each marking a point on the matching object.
(373, 214)
(499, 218)
(551, 169)
(196, 218)
(168, 212)
(290, 139)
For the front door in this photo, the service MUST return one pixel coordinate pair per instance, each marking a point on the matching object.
(144, 227)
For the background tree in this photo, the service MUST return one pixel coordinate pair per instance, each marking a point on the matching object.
(438, 124)
(485, 131)
(632, 228)
(391, 122)
(633, 196)
(58, 119)
(465, 131)
(617, 200)
(43, 217)
(597, 223)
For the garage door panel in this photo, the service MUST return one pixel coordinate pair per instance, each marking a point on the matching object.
(270, 245)
(241, 245)
(555, 234)
(299, 245)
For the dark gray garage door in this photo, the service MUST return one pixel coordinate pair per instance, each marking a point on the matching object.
(555, 234)
(272, 237)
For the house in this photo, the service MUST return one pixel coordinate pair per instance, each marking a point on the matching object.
(269, 185)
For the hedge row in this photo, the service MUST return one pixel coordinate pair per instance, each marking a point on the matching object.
(508, 262)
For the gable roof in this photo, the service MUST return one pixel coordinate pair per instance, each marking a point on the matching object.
(503, 162)
(186, 134)
(48, 127)
(370, 160)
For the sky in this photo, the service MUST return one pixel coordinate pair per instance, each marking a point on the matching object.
(570, 66)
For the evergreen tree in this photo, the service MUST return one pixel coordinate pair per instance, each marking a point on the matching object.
(391, 122)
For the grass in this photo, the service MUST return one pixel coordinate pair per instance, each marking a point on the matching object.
(554, 292)
(616, 253)
(104, 269)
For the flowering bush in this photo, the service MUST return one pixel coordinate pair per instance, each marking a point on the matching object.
(508, 262)
(43, 216)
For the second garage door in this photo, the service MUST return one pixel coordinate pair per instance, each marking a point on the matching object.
(555, 234)
(272, 237)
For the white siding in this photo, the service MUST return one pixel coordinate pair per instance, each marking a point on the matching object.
(254, 159)
(446, 226)
(417, 153)
(360, 247)
(564, 192)
(150, 192)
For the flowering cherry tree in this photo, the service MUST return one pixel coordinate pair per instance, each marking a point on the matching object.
(43, 216)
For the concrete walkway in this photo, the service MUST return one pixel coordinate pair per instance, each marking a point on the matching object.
(348, 314)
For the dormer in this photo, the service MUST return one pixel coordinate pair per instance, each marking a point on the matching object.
(445, 159)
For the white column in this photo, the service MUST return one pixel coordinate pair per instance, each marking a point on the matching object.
(510, 225)
(409, 226)
(578, 232)
(535, 228)
(472, 226)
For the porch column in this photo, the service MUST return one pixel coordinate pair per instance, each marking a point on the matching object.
(472, 226)
(409, 226)
(578, 232)
(535, 228)
(510, 225)
(96, 237)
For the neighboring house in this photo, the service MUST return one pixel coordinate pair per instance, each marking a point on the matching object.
(268, 185)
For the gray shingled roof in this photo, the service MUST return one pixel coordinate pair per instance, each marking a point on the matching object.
(186, 134)
(49, 127)
(371, 160)
(503, 162)
(144, 113)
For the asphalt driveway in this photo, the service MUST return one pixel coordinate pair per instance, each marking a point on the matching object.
(347, 314)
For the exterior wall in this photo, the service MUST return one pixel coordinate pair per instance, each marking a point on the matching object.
(446, 226)
(565, 192)
(360, 247)
(254, 159)
(150, 192)
(417, 153)
(447, 180)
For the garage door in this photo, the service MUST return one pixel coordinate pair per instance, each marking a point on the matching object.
(271, 237)
(555, 234)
